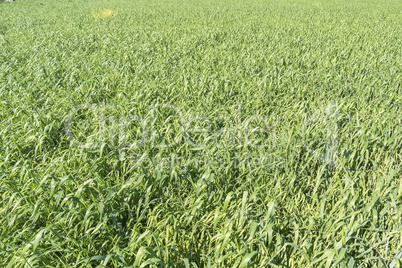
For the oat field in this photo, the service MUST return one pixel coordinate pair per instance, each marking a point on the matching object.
(172, 133)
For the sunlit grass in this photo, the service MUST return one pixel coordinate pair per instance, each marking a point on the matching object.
(200, 133)
(106, 13)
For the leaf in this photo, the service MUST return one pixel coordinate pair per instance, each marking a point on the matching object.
(247, 259)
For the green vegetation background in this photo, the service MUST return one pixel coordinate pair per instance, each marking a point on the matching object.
(203, 189)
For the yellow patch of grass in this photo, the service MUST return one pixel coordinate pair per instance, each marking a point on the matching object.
(106, 13)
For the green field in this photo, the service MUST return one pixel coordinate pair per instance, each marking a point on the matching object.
(172, 133)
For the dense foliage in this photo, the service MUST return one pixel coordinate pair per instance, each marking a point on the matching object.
(172, 133)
